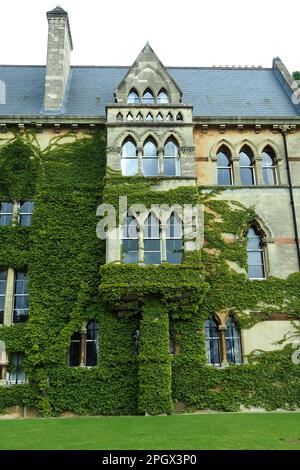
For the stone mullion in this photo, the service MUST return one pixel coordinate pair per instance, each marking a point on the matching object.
(83, 348)
(222, 330)
(141, 246)
(160, 162)
(164, 228)
(258, 171)
(140, 161)
(9, 297)
(236, 171)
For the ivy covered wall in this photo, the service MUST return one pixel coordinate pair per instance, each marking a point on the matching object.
(69, 284)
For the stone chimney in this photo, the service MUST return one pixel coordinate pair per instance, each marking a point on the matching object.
(58, 58)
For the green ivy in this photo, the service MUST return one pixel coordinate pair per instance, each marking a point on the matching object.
(70, 283)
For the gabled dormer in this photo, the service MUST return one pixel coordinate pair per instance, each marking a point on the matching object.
(148, 82)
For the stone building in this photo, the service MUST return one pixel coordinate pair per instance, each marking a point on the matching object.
(229, 134)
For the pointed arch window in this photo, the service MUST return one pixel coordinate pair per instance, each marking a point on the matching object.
(129, 117)
(224, 165)
(247, 166)
(179, 117)
(269, 166)
(233, 342)
(148, 97)
(169, 117)
(223, 343)
(171, 158)
(129, 160)
(152, 240)
(139, 117)
(255, 255)
(149, 117)
(130, 240)
(159, 117)
(119, 117)
(174, 239)
(150, 158)
(162, 97)
(84, 346)
(133, 97)
(212, 338)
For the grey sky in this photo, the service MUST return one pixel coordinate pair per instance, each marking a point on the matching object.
(183, 33)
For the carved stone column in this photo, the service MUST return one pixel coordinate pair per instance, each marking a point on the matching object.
(160, 162)
(140, 161)
(164, 228)
(83, 348)
(236, 171)
(258, 171)
(9, 297)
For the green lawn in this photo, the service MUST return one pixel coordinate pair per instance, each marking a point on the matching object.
(203, 431)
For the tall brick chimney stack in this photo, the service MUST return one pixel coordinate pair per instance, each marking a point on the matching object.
(58, 58)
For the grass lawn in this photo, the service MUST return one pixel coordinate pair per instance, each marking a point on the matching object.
(192, 432)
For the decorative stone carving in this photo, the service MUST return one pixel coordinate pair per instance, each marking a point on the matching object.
(187, 150)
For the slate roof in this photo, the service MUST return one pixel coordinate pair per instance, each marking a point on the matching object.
(214, 92)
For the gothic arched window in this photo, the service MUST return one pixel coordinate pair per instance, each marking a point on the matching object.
(129, 160)
(247, 166)
(255, 253)
(269, 166)
(212, 339)
(174, 239)
(133, 97)
(171, 158)
(233, 342)
(84, 346)
(224, 164)
(148, 97)
(150, 158)
(152, 241)
(162, 97)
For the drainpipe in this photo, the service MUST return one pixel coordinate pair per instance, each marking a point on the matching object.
(284, 130)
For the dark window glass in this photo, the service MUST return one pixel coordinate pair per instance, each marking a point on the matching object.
(133, 97)
(92, 343)
(169, 117)
(16, 374)
(233, 342)
(255, 253)
(224, 164)
(21, 301)
(3, 278)
(162, 97)
(74, 351)
(6, 213)
(130, 240)
(129, 161)
(179, 117)
(269, 166)
(26, 210)
(171, 158)
(148, 97)
(152, 247)
(246, 166)
(174, 240)
(212, 337)
(150, 158)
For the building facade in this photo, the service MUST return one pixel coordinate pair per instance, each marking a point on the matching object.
(149, 235)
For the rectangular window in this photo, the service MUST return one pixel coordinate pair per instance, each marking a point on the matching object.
(130, 251)
(3, 278)
(26, 209)
(21, 303)
(16, 374)
(174, 251)
(6, 213)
